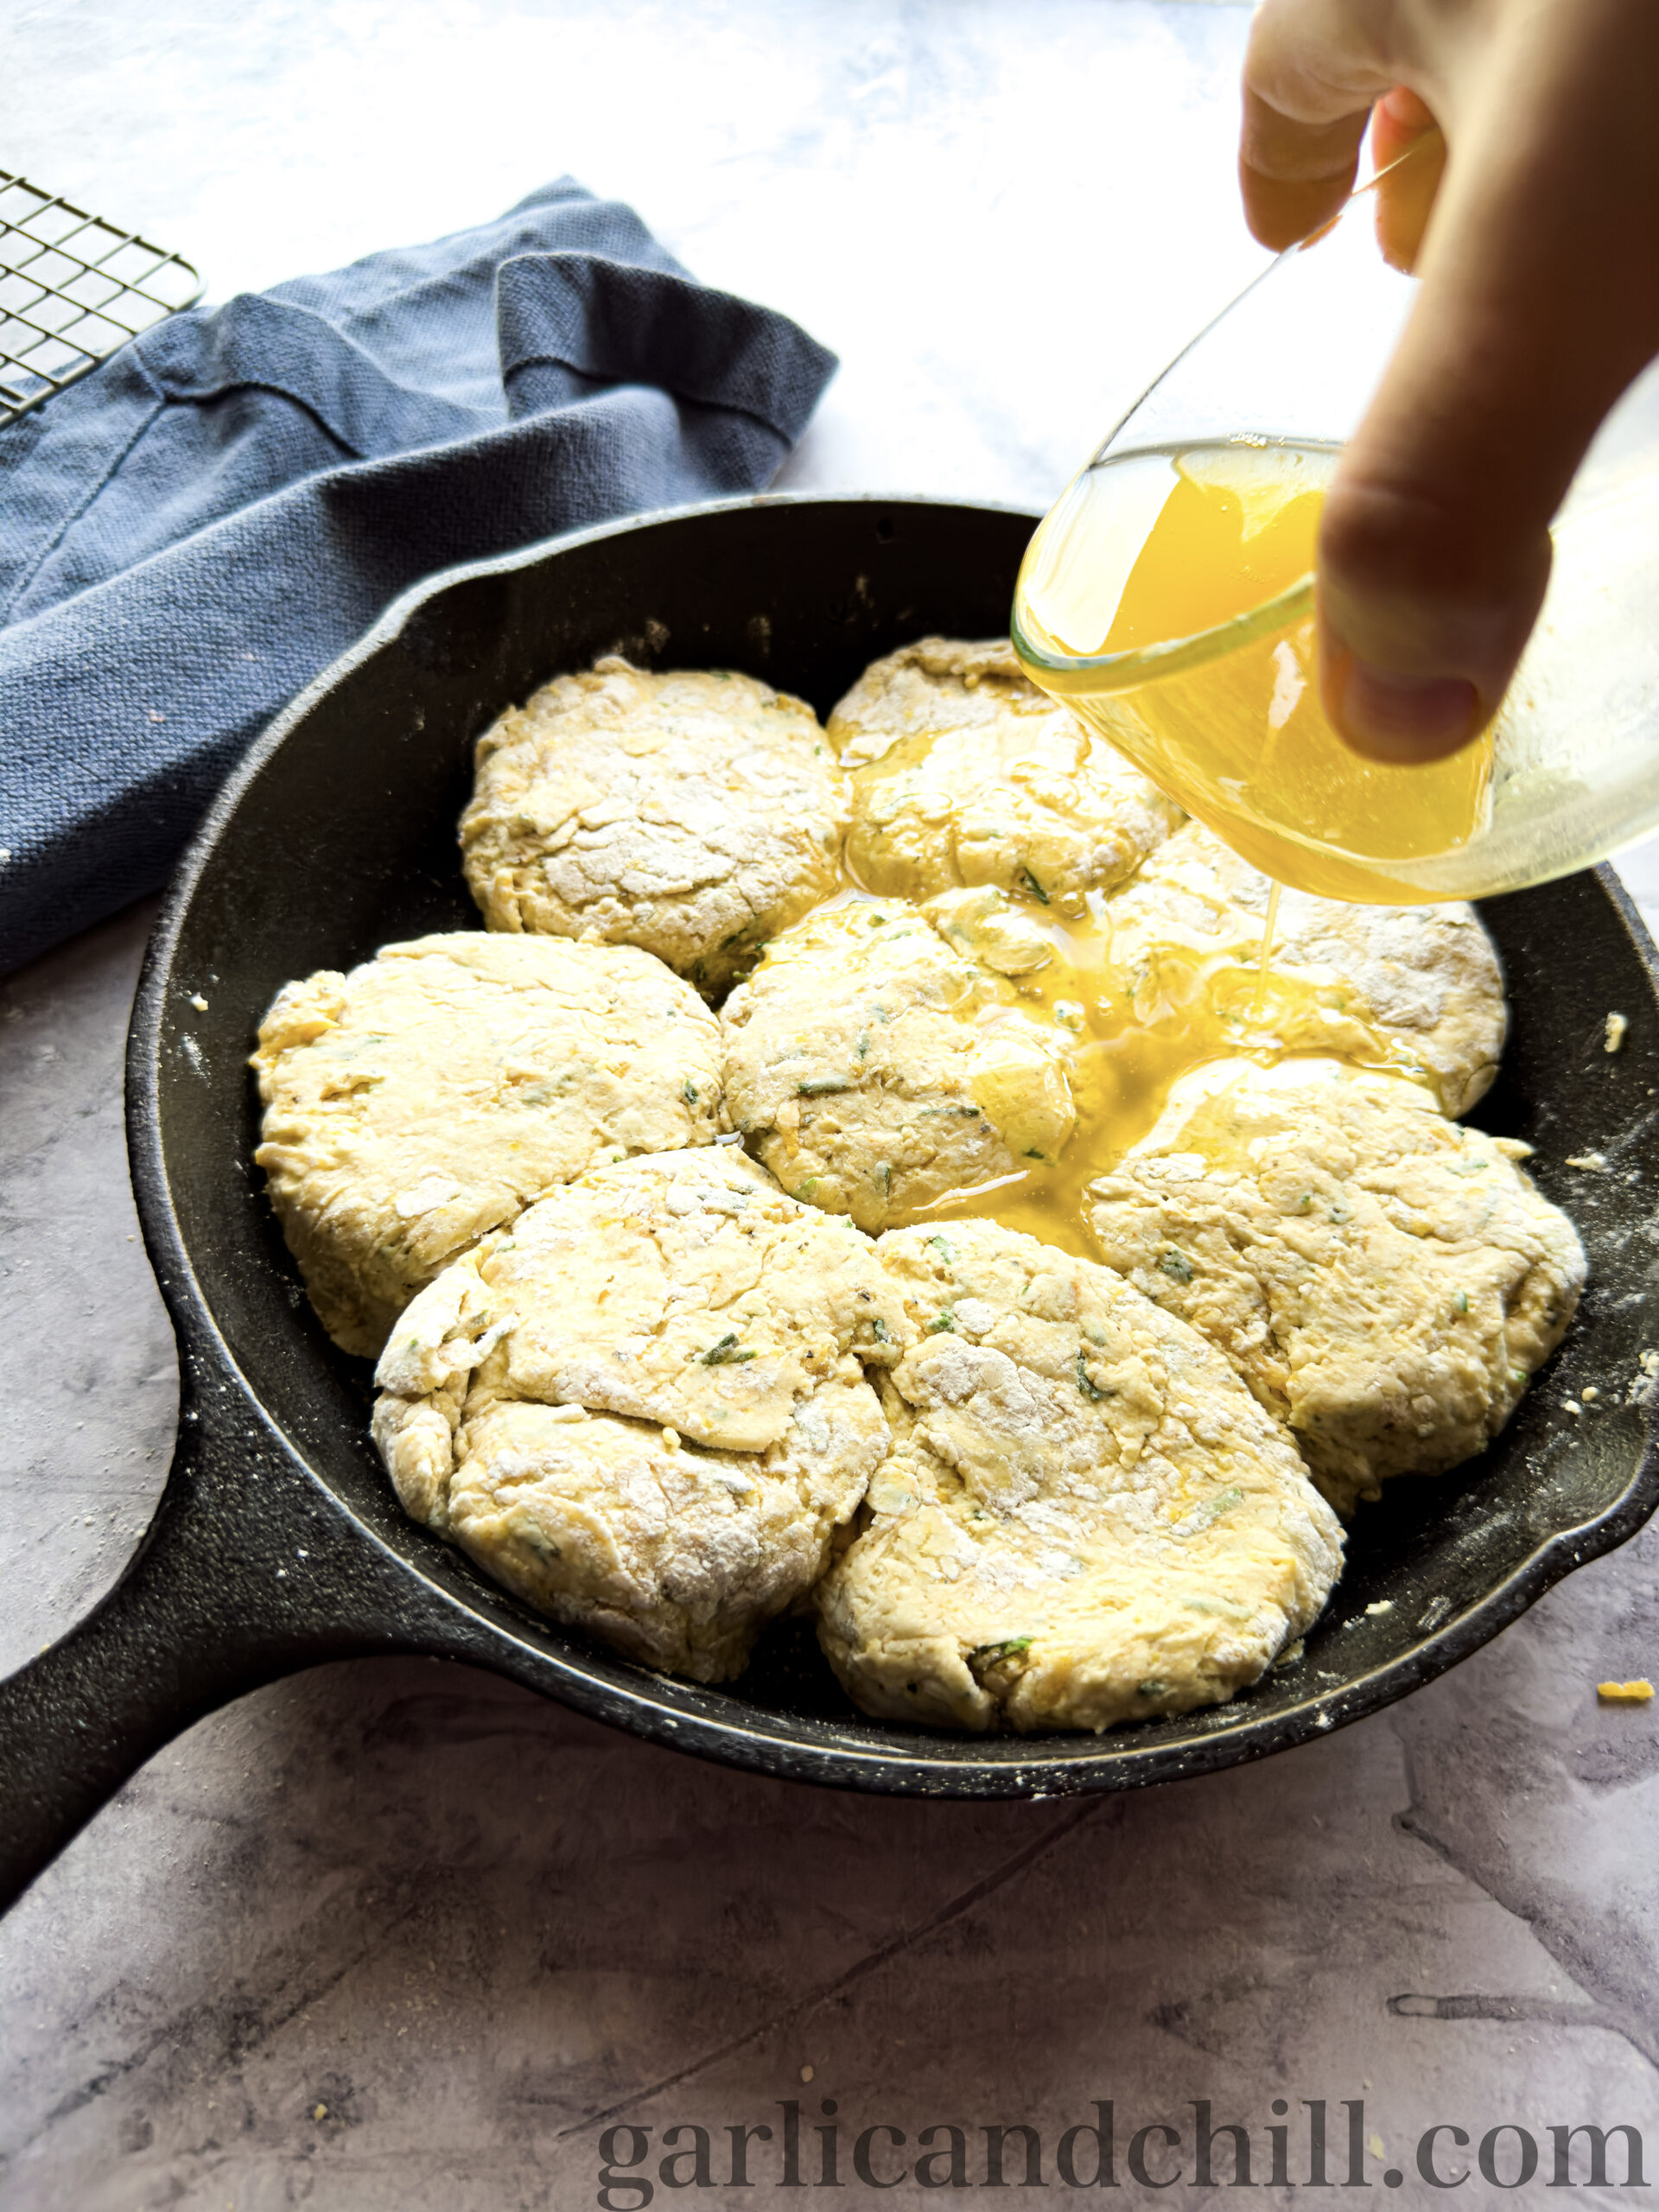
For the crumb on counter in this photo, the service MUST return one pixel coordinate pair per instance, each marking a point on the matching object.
(1639, 1692)
(1595, 1161)
(1617, 1025)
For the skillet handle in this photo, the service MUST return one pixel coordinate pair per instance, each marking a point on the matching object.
(240, 1579)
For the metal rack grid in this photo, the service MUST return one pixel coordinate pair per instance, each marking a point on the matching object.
(72, 287)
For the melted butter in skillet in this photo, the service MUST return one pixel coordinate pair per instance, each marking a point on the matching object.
(1144, 1012)
(1145, 939)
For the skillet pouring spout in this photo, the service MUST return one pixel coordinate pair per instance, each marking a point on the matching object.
(278, 1543)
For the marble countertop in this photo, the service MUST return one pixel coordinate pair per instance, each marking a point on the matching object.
(396, 1936)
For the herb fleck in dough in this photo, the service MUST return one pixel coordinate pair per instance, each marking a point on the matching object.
(643, 1410)
(1418, 985)
(873, 1067)
(963, 774)
(694, 813)
(430, 1094)
(1086, 1518)
(1386, 1280)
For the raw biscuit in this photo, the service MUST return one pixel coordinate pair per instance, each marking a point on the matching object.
(1418, 987)
(1086, 1518)
(694, 813)
(1385, 1280)
(964, 773)
(643, 1408)
(873, 1067)
(430, 1094)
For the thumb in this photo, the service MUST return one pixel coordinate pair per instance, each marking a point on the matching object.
(1539, 303)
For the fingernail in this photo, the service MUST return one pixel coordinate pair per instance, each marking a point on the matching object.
(1407, 717)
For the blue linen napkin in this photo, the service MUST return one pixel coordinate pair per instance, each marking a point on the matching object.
(195, 530)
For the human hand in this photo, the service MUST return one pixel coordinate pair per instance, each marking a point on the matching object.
(1539, 303)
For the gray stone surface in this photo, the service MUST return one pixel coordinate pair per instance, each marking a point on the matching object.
(84, 1440)
(399, 1936)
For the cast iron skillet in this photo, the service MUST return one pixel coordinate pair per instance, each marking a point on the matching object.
(277, 1543)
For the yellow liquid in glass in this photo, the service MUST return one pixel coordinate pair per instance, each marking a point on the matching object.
(1163, 547)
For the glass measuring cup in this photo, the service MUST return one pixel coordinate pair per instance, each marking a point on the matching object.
(1217, 699)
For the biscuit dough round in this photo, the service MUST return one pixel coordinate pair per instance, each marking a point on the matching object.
(1086, 1518)
(1385, 1280)
(964, 773)
(643, 1408)
(1418, 987)
(873, 1068)
(694, 813)
(430, 1094)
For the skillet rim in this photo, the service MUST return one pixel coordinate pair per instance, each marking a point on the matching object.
(716, 1721)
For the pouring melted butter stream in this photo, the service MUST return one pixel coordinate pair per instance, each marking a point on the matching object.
(1163, 547)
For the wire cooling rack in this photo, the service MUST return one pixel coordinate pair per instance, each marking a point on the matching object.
(72, 287)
